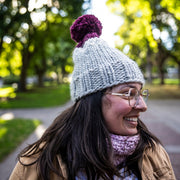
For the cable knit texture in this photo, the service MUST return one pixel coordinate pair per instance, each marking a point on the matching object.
(123, 146)
(98, 66)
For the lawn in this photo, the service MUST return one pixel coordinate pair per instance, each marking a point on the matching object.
(167, 81)
(163, 91)
(13, 132)
(34, 97)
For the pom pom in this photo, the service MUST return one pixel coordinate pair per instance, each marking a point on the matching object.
(85, 27)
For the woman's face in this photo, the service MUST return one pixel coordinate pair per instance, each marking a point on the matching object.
(120, 117)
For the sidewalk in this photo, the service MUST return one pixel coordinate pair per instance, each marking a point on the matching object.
(162, 118)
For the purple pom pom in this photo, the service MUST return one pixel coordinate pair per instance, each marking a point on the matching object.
(84, 28)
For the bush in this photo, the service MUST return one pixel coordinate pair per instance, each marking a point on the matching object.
(8, 80)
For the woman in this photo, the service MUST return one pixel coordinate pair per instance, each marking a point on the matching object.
(101, 135)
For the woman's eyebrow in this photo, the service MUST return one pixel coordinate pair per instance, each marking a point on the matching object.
(123, 87)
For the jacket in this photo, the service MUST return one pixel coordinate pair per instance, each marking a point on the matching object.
(154, 165)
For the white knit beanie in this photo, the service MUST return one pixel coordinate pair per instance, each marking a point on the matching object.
(96, 65)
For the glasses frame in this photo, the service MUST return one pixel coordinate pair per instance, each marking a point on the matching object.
(145, 94)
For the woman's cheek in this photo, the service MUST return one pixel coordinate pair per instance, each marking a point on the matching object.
(122, 108)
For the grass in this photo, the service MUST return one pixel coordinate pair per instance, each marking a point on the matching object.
(57, 95)
(35, 97)
(13, 132)
(167, 81)
(164, 91)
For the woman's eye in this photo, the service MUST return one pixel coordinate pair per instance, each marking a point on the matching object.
(125, 93)
(133, 92)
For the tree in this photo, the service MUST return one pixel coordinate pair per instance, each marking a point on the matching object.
(147, 30)
(55, 49)
(23, 23)
(10, 61)
(12, 15)
(173, 7)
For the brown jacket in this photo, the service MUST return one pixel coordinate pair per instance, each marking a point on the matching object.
(154, 165)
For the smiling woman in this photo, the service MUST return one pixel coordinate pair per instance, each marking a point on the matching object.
(122, 113)
(101, 135)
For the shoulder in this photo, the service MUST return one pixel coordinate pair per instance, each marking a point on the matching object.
(24, 172)
(157, 154)
(27, 169)
(155, 163)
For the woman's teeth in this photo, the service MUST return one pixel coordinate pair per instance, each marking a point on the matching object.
(131, 118)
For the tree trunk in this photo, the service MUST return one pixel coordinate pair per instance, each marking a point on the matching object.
(58, 77)
(161, 57)
(161, 76)
(40, 71)
(23, 75)
(179, 73)
(40, 74)
(149, 70)
(64, 73)
(175, 58)
(40, 79)
(1, 43)
(149, 66)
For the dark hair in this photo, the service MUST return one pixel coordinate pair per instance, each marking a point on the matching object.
(79, 135)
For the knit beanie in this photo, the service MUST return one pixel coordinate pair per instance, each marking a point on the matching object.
(97, 65)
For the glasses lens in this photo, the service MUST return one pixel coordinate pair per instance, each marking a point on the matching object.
(145, 95)
(133, 96)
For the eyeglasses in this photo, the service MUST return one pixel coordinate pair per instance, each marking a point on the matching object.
(133, 96)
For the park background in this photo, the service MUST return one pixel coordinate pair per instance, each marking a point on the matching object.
(36, 57)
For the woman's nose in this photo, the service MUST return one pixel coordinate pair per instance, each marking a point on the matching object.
(141, 104)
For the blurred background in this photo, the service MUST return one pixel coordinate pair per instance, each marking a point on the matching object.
(36, 60)
(36, 48)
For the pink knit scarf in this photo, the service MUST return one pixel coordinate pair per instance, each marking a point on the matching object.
(123, 146)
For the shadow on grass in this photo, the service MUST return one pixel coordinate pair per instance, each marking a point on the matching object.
(13, 132)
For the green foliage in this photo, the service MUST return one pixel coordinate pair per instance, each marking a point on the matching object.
(13, 132)
(37, 97)
(10, 61)
(7, 92)
(8, 80)
(29, 29)
(167, 81)
(173, 6)
(150, 33)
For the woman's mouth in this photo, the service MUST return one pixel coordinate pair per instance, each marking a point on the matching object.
(134, 119)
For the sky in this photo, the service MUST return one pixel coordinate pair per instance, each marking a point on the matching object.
(110, 22)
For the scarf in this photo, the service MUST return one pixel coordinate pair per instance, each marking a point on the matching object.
(123, 146)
